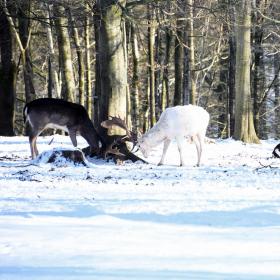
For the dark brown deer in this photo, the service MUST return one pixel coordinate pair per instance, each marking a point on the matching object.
(44, 113)
(276, 151)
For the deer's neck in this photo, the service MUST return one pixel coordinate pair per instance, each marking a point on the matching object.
(156, 135)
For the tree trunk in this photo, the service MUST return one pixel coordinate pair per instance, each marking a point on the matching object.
(186, 76)
(112, 62)
(24, 26)
(165, 78)
(88, 87)
(158, 71)
(179, 61)
(23, 40)
(231, 70)
(7, 78)
(135, 80)
(222, 95)
(191, 56)
(277, 94)
(258, 73)
(54, 82)
(80, 59)
(97, 85)
(151, 45)
(64, 47)
(231, 85)
(244, 124)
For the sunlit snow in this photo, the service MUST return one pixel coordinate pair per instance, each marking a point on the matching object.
(140, 221)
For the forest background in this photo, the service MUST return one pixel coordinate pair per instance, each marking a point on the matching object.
(134, 58)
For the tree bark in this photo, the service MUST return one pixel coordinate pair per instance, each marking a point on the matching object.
(80, 59)
(112, 62)
(135, 80)
(244, 124)
(24, 33)
(97, 84)
(151, 45)
(88, 87)
(191, 46)
(7, 78)
(179, 60)
(165, 96)
(23, 40)
(64, 47)
(54, 82)
(258, 73)
(276, 65)
(231, 84)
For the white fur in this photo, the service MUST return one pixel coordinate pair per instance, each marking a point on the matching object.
(177, 123)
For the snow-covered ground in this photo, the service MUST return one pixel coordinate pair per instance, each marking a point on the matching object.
(140, 221)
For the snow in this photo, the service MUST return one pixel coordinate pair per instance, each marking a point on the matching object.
(140, 221)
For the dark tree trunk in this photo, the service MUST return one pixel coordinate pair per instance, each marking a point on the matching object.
(112, 72)
(158, 72)
(151, 45)
(64, 47)
(80, 59)
(191, 51)
(186, 76)
(50, 78)
(24, 26)
(135, 80)
(179, 59)
(7, 78)
(222, 95)
(277, 95)
(97, 92)
(231, 85)
(258, 73)
(165, 79)
(88, 86)
(54, 88)
(231, 69)
(178, 91)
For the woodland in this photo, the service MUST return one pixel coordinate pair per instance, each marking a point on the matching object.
(133, 58)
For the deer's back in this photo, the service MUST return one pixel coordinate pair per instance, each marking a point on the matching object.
(56, 111)
(185, 120)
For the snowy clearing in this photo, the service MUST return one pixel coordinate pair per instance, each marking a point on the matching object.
(140, 221)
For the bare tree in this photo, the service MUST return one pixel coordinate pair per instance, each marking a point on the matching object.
(68, 80)
(7, 77)
(151, 62)
(80, 59)
(244, 124)
(277, 94)
(54, 83)
(111, 61)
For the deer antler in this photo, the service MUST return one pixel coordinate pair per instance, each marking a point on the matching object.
(117, 121)
(111, 150)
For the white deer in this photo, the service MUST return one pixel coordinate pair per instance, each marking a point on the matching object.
(177, 122)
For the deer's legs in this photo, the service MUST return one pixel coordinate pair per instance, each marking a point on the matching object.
(180, 148)
(198, 140)
(165, 147)
(33, 146)
(73, 137)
